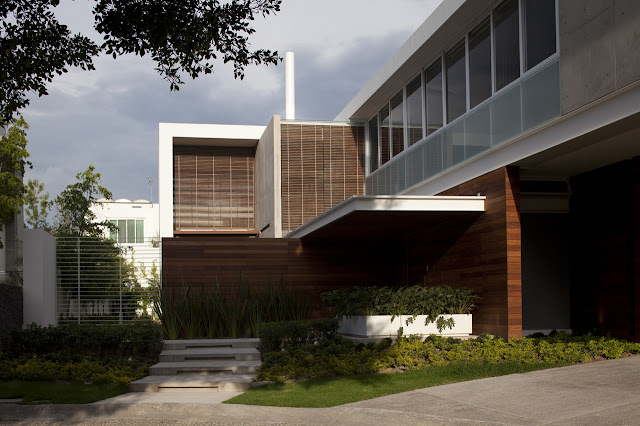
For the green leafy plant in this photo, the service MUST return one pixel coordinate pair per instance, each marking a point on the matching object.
(229, 310)
(275, 336)
(338, 356)
(406, 300)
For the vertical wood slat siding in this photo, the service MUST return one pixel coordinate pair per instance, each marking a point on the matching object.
(485, 257)
(322, 165)
(213, 188)
(207, 260)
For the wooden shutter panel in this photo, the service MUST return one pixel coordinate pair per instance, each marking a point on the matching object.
(213, 188)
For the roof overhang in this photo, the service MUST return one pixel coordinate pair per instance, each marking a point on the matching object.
(367, 217)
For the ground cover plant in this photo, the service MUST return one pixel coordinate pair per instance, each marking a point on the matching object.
(405, 300)
(339, 371)
(85, 354)
(276, 336)
(343, 357)
(232, 311)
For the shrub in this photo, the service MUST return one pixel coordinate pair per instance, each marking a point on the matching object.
(142, 340)
(233, 312)
(407, 300)
(342, 357)
(275, 336)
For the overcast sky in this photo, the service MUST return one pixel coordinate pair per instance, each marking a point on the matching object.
(109, 117)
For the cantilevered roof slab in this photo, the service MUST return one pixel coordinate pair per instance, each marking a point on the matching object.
(369, 217)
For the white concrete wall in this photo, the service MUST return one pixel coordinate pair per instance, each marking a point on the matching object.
(198, 134)
(39, 278)
(268, 187)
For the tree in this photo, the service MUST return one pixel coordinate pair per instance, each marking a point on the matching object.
(74, 217)
(36, 205)
(180, 36)
(13, 155)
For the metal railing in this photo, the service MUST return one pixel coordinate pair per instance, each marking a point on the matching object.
(99, 280)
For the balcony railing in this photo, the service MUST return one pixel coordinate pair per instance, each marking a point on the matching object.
(530, 102)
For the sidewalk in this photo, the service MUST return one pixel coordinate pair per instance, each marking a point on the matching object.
(606, 392)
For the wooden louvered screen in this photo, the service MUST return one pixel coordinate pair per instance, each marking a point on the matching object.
(322, 165)
(213, 188)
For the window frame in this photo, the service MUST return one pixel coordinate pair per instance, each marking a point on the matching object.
(490, 15)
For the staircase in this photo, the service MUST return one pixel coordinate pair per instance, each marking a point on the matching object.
(219, 365)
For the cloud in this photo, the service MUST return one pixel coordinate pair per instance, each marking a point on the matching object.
(109, 117)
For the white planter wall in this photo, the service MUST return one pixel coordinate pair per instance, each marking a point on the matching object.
(381, 325)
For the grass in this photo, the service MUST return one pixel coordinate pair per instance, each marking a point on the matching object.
(59, 393)
(329, 392)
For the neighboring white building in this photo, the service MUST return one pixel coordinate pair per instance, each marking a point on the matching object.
(138, 231)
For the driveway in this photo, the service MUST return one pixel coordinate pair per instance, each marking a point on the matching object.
(597, 393)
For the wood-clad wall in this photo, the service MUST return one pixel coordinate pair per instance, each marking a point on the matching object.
(485, 257)
(605, 250)
(207, 260)
(483, 254)
(322, 165)
(213, 188)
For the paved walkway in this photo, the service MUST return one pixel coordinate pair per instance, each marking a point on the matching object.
(598, 393)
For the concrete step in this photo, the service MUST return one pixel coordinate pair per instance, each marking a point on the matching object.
(229, 367)
(211, 343)
(193, 382)
(210, 353)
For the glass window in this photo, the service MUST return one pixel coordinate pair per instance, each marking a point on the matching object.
(113, 234)
(122, 229)
(373, 144)
(539, 31)
(384, 135)
(456, 82)
(506, 35)
(139, 231)
(414, 111)
(480, 63)
(397, 124)
(131, 231)
(433, 95)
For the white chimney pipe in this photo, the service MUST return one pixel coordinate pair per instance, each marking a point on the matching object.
(290, 88)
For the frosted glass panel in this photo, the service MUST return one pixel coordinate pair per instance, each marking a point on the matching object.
(433, 156)
(505, 116)
(454, 136)
(477, 131)
(541, 97)
(532, 101)
(415, 169)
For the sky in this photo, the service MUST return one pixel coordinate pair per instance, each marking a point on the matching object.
(109, 117)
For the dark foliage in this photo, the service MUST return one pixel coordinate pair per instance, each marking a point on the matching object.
(275, 336)
(181, 37)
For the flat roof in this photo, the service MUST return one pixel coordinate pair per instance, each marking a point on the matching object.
(373, 217)
(212, 134)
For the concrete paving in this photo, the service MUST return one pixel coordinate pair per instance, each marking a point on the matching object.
(599, 393)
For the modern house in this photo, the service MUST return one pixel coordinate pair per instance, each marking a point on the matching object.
(498, 149)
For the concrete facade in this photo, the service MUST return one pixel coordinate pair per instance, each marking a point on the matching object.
(39, 278)
(268, 181)
(596, 39)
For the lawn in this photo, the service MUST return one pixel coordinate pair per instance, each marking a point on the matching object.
(329, 392)
(59, 393)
